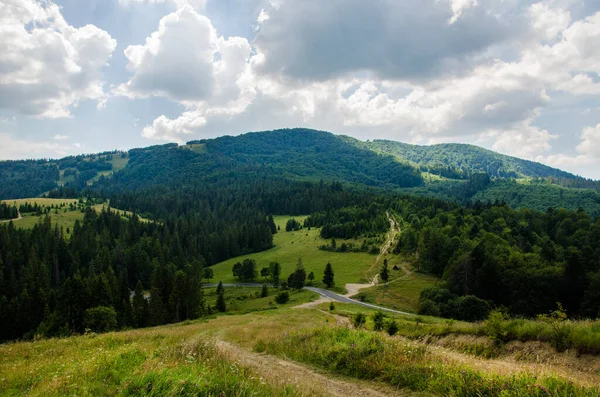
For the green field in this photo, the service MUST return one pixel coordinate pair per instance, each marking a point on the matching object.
(241, 300)
(195, 147)
(63, 217)
(118, 162)
(402, 291)
(260, 354)
(41, 201)
(289, 246)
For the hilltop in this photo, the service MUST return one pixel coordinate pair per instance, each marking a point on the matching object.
(448, 171)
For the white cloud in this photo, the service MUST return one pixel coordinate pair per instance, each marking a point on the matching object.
(588, 154)
(46, 65)
(590, 142)
(526, 141)
(171, 130)
(450, 72)
(548, 22)
(408, 40)
(458, 6)
(185, 61)
(59, 137)
(198, 4)
(16, 149)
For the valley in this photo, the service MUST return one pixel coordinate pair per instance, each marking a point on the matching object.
(298, 262)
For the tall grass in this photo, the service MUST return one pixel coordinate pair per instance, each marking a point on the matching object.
(369, 355)
(170, 361)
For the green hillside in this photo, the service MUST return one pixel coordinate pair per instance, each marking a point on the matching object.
(457, 161)
(447, 171)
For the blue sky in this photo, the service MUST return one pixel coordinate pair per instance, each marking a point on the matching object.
(518, 77)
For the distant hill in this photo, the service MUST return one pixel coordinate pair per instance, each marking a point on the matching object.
(457, 161)
(457, 172)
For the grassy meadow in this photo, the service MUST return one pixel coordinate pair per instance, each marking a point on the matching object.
(403, 290)
(349, 267)
(242, 300)
(63, 217)
(213, 357)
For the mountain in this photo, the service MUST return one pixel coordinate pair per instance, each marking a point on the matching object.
(462, 173)
(457, 161)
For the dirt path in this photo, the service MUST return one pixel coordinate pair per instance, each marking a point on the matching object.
(509, 366)
(354, 289)
(322, 299)
(308, 381)
(390, 237)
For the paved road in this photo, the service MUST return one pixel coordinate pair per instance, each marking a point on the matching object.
(323, 292)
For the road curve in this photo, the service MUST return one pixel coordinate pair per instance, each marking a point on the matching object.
(323, 292)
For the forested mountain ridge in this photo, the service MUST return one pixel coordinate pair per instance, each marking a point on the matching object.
(457, 161)
(30, 178)
(462, 173)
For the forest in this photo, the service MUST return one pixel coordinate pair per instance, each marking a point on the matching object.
(523, 260)
(461, 173)
(212, 200)
(8, 211)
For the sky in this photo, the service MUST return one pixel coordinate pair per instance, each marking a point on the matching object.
(518, 77)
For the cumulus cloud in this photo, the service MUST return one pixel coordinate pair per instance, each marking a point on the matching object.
(198, 4)
(186, 61)
(16, 149)
(432, 71)
(46, 65)
(176, 61)
(409, 40)
(587, 157)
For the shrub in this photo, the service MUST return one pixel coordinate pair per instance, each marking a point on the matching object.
(429, 308)
(361, 296)
(561, 329)
(495, 326)
(392, 328)
(359, 320)
(331, 306)
(378, 321)
(471, 308)
(282, 297)
(100, 319)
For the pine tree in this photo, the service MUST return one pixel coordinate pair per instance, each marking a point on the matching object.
(311, 277)
(220, 288)
(178, 298)
(275, 274)
(221, 306)
(265, 291)
(328, 279)
(272, 224)
(384, 274)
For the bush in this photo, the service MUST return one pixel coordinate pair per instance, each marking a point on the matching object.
(471, 308)
(359, 320)
(561, 329)
(331, 306)
(429, 308)
(282, 297)
(495, 326)
(361, 296)
(392, 328)
(100, 319)
(378, 321)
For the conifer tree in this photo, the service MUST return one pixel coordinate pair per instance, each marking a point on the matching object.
(328, 276)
